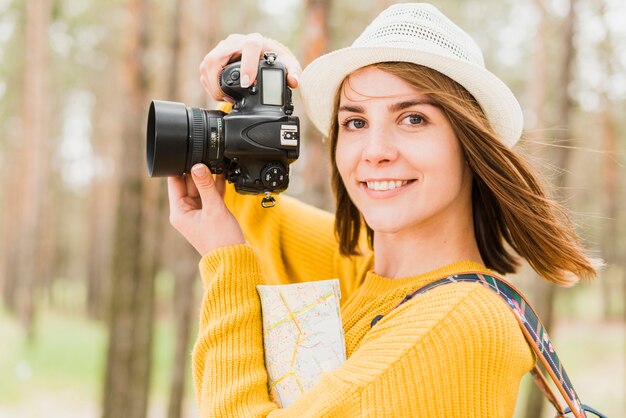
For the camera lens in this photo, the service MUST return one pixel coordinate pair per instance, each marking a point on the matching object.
(167, 138)
(179, 137)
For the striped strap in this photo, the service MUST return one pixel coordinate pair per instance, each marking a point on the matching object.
(535, 334)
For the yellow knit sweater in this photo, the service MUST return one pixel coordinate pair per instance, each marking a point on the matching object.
(455, 351)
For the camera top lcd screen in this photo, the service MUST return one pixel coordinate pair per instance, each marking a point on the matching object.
(272, 86)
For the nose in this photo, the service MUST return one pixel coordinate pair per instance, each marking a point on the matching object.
(378, 147)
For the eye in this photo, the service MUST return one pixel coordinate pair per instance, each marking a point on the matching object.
(413, 119)
(354, 124)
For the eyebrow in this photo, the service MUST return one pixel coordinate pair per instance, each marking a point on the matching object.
(410, 103)
(393, 108)
(351, 109)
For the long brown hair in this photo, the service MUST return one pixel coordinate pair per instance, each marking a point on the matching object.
(509, 204)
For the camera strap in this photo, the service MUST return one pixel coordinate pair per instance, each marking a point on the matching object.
(535, 334)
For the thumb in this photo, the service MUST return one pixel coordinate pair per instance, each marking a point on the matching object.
(205, 184)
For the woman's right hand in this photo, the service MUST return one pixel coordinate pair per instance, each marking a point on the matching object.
(250, 49)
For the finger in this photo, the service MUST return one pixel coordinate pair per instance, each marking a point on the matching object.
(192, 190)
(205, 85)
(206, 186)
(226, 51)
(250, 55)
(220, 184)
(209, 80)
(293, 80)
(176, 190)
(248, 48)
(294, 70)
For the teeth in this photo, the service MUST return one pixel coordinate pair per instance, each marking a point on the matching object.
(386, 185)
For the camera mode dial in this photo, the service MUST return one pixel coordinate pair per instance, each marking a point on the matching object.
(273, 176)
(230, 81)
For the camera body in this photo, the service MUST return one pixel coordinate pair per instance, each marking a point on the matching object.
(252, 145)
(261, 136)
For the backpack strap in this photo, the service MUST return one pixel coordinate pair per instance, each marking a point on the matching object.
(535, 335)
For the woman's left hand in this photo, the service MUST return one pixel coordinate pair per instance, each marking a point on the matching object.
(198, 212)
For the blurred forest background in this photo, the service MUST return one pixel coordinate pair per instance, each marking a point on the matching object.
(99, 295)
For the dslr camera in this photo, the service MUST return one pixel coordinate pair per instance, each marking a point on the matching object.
(252, 145)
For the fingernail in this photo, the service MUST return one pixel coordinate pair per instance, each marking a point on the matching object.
(228, 99)
(245, 81)
(199, 170)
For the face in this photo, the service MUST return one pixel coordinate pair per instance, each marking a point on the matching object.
(399, 157)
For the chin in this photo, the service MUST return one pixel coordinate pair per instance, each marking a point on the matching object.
(385, 225)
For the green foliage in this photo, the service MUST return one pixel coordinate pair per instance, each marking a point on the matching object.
(67, 359)
(67, 353)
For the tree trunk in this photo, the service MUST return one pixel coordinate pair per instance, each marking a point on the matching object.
(314, 154)
(191, 40)
(183, 281)
(107, 142)
(132, 293)
(610, 196)
(545, 293)
(33, 169)
(10, 231)
(103, 203)
(186, 273)
(99, 239)
(316, 29)
(610, 176)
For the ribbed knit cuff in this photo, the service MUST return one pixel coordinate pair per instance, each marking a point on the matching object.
(230, 275)
(231, 260)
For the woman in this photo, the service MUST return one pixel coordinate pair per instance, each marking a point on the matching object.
(420, 136)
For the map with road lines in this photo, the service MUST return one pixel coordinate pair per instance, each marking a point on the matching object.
(302, 335)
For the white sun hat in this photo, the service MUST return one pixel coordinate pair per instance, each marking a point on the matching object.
(421, 34)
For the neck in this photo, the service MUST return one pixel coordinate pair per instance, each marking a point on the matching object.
(411, 252)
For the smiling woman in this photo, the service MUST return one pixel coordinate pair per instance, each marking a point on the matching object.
(387, 133)
(427, 187)
(489, 192)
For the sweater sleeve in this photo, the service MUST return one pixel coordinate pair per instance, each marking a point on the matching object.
(296, 241)
(438, 362)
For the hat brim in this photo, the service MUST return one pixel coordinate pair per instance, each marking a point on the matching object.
(322, 77)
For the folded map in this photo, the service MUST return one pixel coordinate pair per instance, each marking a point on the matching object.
(302, 335)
